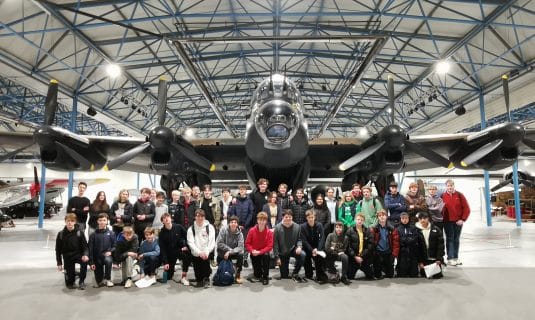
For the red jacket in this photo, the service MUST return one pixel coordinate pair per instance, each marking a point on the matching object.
(393, 238)
(455, 207)
(261, 241)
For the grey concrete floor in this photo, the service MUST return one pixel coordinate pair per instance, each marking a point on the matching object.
(495, 282)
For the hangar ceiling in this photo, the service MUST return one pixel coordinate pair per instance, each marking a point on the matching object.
(214, 54)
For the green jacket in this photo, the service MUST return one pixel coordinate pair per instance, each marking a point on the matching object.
(347, 212)
(369, 208)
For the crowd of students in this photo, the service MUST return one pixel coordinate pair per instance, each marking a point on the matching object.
(266, 227)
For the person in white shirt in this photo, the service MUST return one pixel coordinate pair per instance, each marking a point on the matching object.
(160, 209)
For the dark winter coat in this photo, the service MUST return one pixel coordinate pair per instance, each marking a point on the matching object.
(72, 245)
(312, 237)
(353, 242)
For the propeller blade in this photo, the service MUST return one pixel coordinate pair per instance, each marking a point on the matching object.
(51, 102)
(501, 185)
(505, 84)
(75, 155)
(127, 156)
(428, 154)
(162, 100)
(391, 96)
(194, 157)
(35, 176)
(362, 155)
(481, 152)
(527, 183)
(529, 143)
(14, 153)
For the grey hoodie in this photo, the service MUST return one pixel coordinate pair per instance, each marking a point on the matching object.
(229, 241)
(286, 239)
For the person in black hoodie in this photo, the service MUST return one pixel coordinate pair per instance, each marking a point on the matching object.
(323, 215)
(313, 239)
(173, 246)
(72, 246)
(259, 197)
(101, 247)
(144, 212)
(411, 248)
(299, 206)
(283, 198)
(121, 212)
(359, 256)
(79, 205)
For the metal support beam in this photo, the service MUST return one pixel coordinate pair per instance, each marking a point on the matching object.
(42, 197)
(203, 88)
(485, 172)
(448, 53)
(517, 195)
(361, 70)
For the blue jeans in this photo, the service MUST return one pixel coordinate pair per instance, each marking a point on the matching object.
(285, 261)
(453, 234)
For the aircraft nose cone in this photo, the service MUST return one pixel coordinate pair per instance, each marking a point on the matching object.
(394, 136)
(161, 137)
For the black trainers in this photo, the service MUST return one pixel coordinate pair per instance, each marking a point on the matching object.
(265, 281)
(207, 283)
(245, 263)
(297, 278)
(70, 286)
(345, 281)
(81, 286)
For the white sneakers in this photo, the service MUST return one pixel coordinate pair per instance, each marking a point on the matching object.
(454, 262)
(146, 282)
(108, 283)
(128, 283)
(184, 281)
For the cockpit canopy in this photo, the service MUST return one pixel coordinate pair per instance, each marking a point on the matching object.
(277, 111)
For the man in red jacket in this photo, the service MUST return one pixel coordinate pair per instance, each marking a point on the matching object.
(456, 211)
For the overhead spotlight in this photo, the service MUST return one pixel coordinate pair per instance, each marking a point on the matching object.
(460, 110)
(430, 99)
(410, 112)
(237, 88)
(442, 67)
(314, 104)
(91, 112)
(422, 104)
(435, 96)
(324, 87)
(113, 70)
(389, 110)
(301, 86)
(133, 106)
(415, 108)
(139, 110)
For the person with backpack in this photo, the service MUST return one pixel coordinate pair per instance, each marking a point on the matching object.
(259, 243)
(335, 248)
(72, 247)
(201, 241)
(230, 245)
(456, 212)
(411, 248)
(369, 206)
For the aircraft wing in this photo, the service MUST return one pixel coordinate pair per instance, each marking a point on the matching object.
(443, 144)
(11, 196)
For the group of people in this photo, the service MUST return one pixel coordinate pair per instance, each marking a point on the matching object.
(266, 227)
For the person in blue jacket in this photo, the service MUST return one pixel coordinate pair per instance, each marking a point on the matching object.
(395, 204)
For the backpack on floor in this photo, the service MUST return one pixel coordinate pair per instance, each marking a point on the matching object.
(333, 277)
(224, 276)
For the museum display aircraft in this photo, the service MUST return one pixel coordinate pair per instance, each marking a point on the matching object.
(276, 147)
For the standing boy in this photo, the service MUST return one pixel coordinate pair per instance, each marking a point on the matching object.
(144, 212)
(101, 247)
(79, 205)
